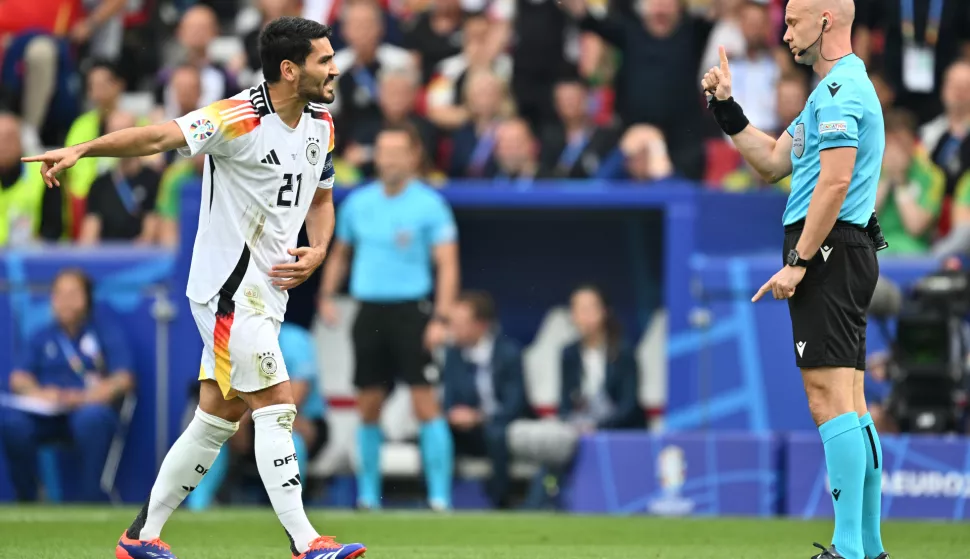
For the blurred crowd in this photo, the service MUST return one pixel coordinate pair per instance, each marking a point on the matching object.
(506, 90)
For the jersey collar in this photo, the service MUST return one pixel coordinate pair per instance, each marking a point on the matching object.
(259, 96)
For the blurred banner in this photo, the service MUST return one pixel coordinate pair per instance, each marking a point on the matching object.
(923, 477)
(714, 474)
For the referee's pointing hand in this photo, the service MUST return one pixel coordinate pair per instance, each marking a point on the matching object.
(782, 285)
(717, 80)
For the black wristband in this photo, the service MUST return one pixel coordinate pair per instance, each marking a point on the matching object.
(728, 115)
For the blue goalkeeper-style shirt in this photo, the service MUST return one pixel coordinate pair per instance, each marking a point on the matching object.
(843, 111)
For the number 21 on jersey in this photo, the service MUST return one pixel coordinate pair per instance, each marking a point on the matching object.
(285, 201)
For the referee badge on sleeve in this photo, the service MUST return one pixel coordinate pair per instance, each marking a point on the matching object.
(798, 142)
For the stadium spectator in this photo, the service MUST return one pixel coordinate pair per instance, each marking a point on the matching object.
(754, 71)
(121, 204)
(922, 39)
(249, 62)
(473, 145)
(957, 241)
(911, 188)
(599, 390)
(196, 31)
(574, 147)
(444, 96)
(180, 174)
(434, 35)
(400, 231)
(726, 32)
(948, 137)
(516, 153)
(69, 377)
(657, 79)
(310, 428)
(29, 209)
(104, 88)
(484, 388)
(398, 89)
(542, 39)
(366, 55)
(641, 156)
(600, 375)
(38, 74)
(99, 32)
(185, 86)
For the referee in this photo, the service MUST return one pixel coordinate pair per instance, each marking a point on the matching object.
(833, 152)
(398, 230)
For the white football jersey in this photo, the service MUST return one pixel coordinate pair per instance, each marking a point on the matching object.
(259, 179)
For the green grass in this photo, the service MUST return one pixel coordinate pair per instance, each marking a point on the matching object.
(90, 533)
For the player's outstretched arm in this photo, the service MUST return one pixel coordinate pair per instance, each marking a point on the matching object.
(130, 142)
(769, 156)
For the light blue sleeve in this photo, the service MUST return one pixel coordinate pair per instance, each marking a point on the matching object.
(344, 229)
(838, 114)
(298, 354)
(442, 228)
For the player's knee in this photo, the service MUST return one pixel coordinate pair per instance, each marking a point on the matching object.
(278, 394)
(41, 51)
(425, 403)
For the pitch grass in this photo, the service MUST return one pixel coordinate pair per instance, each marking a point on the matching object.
(90, 533)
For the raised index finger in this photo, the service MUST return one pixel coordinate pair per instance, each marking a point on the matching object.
(33, 159)
(724, 60)
(764, 289)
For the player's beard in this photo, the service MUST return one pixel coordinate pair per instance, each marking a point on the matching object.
(314, 92)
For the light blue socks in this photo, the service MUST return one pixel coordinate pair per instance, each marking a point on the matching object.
(369, 439)
(872, 490)
(845, 460)
(438, 457)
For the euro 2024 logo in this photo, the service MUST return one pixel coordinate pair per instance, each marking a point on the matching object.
(671, 475)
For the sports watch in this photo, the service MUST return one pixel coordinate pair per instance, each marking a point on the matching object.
(795, 260)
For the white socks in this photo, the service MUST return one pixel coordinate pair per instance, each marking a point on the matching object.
(184, 465)
(278, 467)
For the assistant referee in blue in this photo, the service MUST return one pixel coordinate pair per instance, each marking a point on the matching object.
(400, 231)
(833, 152)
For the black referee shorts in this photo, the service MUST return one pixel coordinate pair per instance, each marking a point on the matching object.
(389, 344)
(829, 307)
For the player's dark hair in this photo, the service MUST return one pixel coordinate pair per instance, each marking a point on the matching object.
(481, 303)
(900, 120)
(86, 284)
(611, 324)
(288, 38)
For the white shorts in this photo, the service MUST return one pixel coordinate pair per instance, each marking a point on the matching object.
(242, 348)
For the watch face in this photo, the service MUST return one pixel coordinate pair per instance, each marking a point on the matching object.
(792, 258)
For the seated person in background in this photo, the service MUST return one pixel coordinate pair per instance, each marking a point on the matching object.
(574, 147)
(600, 378)
(484, 389)
(473, 144)
(911, 188)
(516, 153)
(310, 429)
(599, 390)
(121, 204)
(641, 156)
(23, 213)
(78, 367)
(104, 89)
(878, 387)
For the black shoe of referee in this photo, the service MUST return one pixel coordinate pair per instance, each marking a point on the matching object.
(829, 553)
(883, 555)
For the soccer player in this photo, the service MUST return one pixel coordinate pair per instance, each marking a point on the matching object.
(833, 151)
(261, 146)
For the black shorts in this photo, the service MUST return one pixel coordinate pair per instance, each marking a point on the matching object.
(829, 307)
(389, 344)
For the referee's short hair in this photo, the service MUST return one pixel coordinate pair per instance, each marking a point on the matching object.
(481, 303)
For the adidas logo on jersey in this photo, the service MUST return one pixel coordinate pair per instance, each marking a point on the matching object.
(271, 158)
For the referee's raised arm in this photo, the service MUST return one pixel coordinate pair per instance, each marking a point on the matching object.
(770, 157)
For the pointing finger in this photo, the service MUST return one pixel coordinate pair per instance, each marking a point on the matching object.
(724, 61)
(764, 289)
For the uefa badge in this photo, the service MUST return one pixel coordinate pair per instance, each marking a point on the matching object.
(202, 129)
